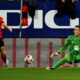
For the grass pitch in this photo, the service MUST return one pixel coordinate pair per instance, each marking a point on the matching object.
(39, 74)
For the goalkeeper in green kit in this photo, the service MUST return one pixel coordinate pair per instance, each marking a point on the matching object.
(72, 44)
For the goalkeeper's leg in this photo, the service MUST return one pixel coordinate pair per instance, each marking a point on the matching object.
(61, 61)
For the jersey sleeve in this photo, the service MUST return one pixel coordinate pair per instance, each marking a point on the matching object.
(66, 44)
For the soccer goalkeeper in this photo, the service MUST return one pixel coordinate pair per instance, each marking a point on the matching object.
(72, 44)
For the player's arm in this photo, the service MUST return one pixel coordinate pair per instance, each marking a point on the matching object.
(5, 26)
(62, 49)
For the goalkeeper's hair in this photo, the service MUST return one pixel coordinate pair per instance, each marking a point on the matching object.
(78, 26)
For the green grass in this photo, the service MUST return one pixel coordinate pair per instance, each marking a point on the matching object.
(39, 74)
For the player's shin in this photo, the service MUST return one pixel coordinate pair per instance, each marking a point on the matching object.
(4, 57)
(59, 63)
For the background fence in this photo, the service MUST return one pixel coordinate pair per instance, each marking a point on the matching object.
(39, 48)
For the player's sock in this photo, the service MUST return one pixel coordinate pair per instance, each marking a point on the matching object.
(6, 64)
(60, 62)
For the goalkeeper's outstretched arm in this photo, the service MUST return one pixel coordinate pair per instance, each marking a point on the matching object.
(62, 49)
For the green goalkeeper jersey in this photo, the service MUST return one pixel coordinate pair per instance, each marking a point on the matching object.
(72, 44)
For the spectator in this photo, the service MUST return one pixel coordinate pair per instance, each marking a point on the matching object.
(11, 0)
(66, 7)
(32, 7)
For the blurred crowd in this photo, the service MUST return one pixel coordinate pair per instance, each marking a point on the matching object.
(63, 7)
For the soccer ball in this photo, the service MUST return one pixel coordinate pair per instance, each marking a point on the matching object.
(29, 59)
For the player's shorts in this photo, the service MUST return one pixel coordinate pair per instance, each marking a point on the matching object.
(1, 42)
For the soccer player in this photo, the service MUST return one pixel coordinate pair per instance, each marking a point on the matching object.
(2, 49)
(72, 44)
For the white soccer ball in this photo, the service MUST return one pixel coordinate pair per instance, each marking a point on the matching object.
(29, 59)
